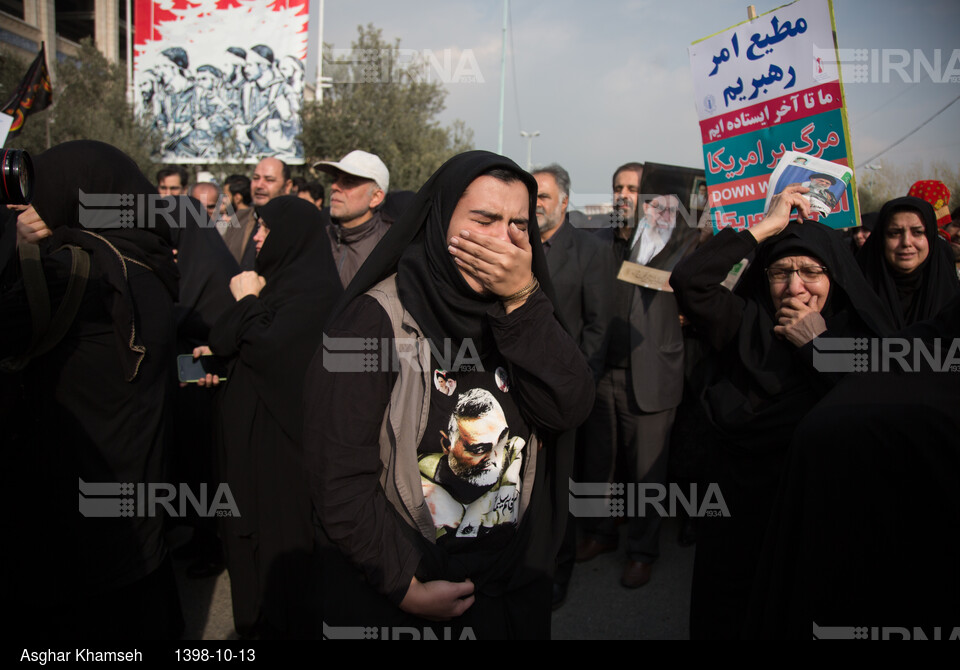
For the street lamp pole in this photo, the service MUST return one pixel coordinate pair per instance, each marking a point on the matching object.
(529, 137)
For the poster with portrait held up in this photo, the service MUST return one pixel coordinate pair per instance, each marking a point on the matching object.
(826, 182)
(764, 87)
(670, 195)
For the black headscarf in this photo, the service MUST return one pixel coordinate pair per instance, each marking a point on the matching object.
(302, 285)
(432, 289)
(924, 292)
(430, 285)
(762, 389)
(396, 203)
(206, 267)
(97, 168)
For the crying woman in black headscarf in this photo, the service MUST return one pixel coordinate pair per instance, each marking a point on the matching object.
(93, 398)
(907, 263)
(424, 410)
(762, 378)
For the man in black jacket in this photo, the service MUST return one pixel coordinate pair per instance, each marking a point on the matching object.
(639, 391)
(581, 268)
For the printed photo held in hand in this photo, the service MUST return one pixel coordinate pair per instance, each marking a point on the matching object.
(825, 181)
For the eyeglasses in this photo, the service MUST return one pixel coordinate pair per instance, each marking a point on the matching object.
(809, 274)
(660, 207)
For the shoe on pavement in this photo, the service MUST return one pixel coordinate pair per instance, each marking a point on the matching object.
(590, 549)
(635, 574)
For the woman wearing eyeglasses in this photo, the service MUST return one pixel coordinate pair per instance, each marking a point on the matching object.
(762, 377)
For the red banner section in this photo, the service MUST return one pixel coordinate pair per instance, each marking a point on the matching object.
(765, 114)
(743, 190)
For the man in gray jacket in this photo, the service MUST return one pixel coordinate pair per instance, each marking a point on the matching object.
(360, 186)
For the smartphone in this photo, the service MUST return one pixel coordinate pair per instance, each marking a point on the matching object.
(192, 369)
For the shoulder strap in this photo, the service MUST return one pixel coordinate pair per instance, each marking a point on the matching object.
(47, 333)
(70, 305)
(35, 286)
(387, 295)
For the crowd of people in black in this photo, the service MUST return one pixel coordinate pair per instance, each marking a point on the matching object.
(405, 387)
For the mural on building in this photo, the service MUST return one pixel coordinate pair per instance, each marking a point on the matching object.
(222, 80)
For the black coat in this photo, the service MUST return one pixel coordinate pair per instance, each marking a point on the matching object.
(94, 409)
(872, 473)
(581, 269)
(272, 338)
(757, 388)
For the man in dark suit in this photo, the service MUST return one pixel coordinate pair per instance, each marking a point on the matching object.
(581, 269)
(580, 266)
(639, 391)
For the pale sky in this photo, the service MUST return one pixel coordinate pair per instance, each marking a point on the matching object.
(609, 81)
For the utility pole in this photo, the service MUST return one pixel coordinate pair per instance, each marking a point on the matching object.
(530, 136)
(503, 74)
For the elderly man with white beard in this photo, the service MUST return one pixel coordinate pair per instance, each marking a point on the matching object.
(638, 394)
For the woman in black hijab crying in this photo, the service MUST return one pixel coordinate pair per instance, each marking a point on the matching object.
(426, 471)
(271, 333)
(761, 378)
(907, 263)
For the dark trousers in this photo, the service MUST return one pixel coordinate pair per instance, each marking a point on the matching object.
(618, 425)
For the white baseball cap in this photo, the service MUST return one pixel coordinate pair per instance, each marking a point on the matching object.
(204, 177)
(359, 164)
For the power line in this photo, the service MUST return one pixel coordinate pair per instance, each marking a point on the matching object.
(875, 156)
(906, 90)
(935, 148)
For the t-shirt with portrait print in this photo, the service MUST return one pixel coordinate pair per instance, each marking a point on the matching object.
(471, 458)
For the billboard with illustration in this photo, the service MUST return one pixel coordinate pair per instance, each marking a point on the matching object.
(222, 80)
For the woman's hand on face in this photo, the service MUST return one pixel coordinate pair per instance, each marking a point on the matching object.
(247, 283)
(30, 227)
(501, 267)
(799, 323)
(778, 216)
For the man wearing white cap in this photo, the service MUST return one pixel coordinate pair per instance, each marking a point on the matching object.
(361, 183)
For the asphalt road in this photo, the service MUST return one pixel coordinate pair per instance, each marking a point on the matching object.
(597, 607)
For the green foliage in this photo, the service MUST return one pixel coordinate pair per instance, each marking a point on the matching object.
(876, 187)
(380, 104)
(89, 103)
